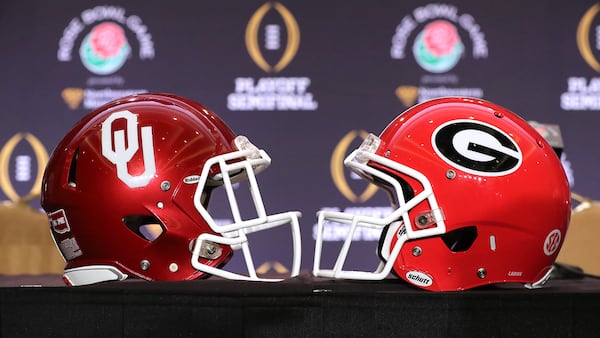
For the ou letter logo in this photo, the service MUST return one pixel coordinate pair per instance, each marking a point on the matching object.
(477, 148)
(123, 151)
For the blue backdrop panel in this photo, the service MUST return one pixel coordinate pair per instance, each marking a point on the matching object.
(304, 80)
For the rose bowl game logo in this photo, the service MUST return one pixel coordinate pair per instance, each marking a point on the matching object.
(439, 36)
(105, 49)
(438, 47)
(104, 38)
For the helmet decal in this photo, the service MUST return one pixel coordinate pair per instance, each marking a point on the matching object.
(477, 148)
(122, 153)
(552, 242)
(59, 222)
(69, 248)
(419, 278)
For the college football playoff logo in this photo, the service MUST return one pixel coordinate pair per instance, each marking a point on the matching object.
(272, 32)
(583, 37)
(41, 156)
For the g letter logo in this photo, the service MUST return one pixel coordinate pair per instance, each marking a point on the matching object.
(477, 148)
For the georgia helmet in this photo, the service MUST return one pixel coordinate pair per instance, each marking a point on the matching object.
(127, 192)
(478, 197)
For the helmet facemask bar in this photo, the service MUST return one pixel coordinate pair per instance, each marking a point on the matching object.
(357, 161)
(244, 163)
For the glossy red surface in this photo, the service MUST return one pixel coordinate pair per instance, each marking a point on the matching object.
(516, 214)
(85, 184)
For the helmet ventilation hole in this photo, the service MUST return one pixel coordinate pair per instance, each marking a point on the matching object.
(147, 227)
(73, 169)
(460, 239)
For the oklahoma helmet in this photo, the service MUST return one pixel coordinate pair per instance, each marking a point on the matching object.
(127, 192)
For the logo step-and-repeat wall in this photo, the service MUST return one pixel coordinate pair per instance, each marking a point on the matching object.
(305, 80)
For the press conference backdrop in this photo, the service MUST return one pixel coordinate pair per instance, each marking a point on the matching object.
(305, 80)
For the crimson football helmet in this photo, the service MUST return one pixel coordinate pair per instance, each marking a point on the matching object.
(478, 197)
(127, 192)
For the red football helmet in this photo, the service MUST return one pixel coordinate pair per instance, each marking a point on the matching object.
(127, 191)
(478, 197)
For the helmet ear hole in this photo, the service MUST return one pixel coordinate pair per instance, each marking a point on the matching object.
(146, 227)
(151, 231)
(460, 239)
